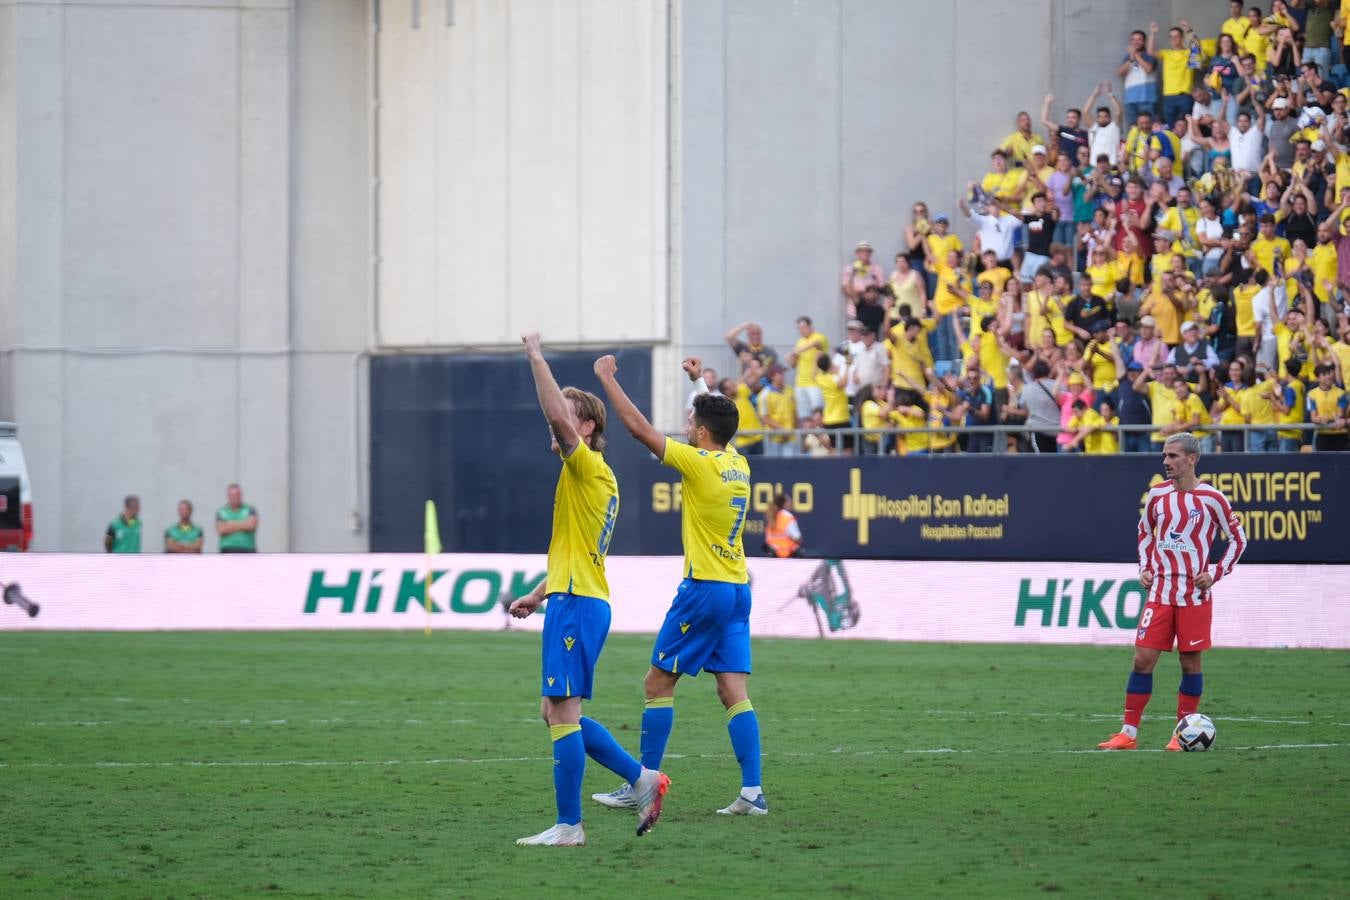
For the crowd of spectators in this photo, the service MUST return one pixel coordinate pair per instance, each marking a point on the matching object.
(1182, 262)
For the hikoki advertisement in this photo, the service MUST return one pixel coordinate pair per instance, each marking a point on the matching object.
(992, 602)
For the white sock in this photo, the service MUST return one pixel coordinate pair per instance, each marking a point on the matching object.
(1129, 731)
(751, 793)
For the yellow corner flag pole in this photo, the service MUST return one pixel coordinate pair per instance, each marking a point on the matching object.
(431, 539)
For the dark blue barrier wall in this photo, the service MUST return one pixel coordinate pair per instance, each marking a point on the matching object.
(1296, 507)
(465, 430)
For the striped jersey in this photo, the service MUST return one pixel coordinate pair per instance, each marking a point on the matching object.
(1176, 530)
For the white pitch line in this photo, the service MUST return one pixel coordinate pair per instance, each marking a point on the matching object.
(838, 751)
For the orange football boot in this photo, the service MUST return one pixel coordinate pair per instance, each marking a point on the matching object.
(1121, 741)
(1174, 746)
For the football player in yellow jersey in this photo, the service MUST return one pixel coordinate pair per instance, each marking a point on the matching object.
(585, 509)
(708, 625)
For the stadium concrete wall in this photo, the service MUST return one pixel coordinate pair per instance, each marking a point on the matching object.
(1039, 603)
(210, 212)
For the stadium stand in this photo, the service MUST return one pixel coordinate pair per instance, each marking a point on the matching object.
(1176, 261)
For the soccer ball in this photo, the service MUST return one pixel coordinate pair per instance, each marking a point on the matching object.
(1195, 732)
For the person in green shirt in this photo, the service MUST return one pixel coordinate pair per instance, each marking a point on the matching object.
(237, 523)
(183, 536)
(124, 532)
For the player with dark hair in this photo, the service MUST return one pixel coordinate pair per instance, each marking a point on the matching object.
(708, 625)
(585, 509)
(1181, 518)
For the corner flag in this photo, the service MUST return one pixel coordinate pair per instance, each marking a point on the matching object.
(431, 540)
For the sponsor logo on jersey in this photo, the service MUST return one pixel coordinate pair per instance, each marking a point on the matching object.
(568, 642)
(684, 628)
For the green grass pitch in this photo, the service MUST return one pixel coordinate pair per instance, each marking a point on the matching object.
(394, 764)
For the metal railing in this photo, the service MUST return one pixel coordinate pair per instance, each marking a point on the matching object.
(860, 437)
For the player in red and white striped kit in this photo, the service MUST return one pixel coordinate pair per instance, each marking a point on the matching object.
(1181, 518)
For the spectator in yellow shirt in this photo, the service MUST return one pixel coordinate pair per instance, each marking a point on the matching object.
(1268, 247)
(1261, 404)
(746, 393)
(1002, 182)
(1020, 142)
(910, 412)
(1237, 24)
(777, 411)
(835, 415)
(810, 345)
(1327, 408)
(910, 354)
(1168, 303)
(1177, 75)
(1094, 431)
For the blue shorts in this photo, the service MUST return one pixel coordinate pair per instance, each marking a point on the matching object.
(708, 627)
(575, 629)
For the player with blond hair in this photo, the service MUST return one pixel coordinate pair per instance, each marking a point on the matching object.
(576, 623)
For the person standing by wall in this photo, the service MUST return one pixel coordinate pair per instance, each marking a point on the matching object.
(124, 532)
(237, 523)
(183, 536)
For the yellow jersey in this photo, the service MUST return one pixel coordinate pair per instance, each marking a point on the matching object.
(1232, 411)
(872, 419)
(714, 500)
(939, 440)
(1257, 403)
(1054, 318)
(909, 358)
(781, 407)
(1236, 28)
(1168, 317)
(1104, 278)
(998, 277)
(993, 360)
(1019, 145)
(1183, 222)
(585, 508)
(940, 246)
(836, 401)
(1329, 405)
(1284, 340)
(1159, 265)
(1256, 43)
(745, 405)
(910, 443)
(1105, 439)
(1163, 399)
(1242, 309)
(1265, 252)
(1191, 410)
(1006, 186)
(945, 300)
(1176, 74)
(1131, 266)
(1102, 362)
(1324, 266)
(808, 349)
(1294, 415)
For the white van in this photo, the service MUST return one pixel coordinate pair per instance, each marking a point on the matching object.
(16, 492)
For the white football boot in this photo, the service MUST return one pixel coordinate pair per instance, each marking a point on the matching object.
(621, 799)
(557, 836)
(746, 806)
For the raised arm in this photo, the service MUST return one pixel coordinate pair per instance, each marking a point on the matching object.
(606, 369)
(733, 337)
(558, 411)
(1045, 113)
